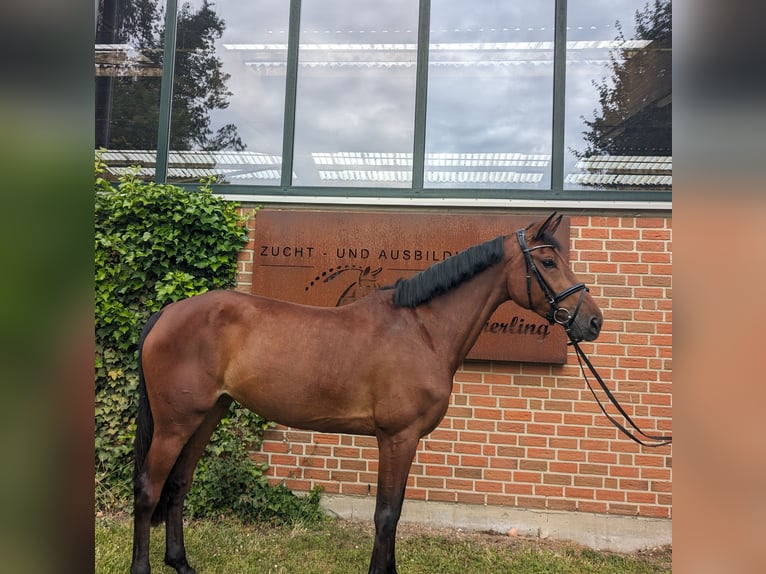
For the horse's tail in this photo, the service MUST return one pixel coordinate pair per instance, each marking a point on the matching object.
(144, 421)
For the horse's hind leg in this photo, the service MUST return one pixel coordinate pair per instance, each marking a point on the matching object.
(160, 458)
(179, 482)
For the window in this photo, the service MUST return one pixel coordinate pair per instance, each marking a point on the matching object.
(490, 95)
(355, 104)
(618, 95)
(128, 58)
(229, 92)
(567, 99)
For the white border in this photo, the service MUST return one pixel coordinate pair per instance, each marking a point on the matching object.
(452, 202)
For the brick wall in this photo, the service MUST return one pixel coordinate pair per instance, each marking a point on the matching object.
(530, 435)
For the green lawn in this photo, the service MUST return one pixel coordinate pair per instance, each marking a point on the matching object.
(338, 547)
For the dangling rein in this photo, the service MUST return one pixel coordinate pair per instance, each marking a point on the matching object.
(661, 440)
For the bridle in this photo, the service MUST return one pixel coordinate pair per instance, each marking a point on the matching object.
(562, 316)
(556, 313)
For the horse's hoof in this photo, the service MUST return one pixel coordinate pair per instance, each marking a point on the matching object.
(181, 566)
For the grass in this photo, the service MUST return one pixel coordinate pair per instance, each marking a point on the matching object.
(338, 547)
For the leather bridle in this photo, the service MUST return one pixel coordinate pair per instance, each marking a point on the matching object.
(562, 316)
(556, 313)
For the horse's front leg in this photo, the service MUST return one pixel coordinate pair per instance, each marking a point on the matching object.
(395, 457)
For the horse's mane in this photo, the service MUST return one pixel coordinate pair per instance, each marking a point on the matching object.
(451, 272)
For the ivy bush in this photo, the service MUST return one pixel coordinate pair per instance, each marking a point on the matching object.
(155, 244)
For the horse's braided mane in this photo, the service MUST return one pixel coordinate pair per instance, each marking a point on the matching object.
(451, 272)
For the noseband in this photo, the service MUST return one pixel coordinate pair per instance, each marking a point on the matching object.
(556, 314)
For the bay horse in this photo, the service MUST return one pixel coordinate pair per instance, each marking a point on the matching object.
(380, 366)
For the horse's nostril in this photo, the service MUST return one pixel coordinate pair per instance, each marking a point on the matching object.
(595, 323)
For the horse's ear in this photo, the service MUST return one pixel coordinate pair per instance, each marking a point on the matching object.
(554, 224)
(550, 225)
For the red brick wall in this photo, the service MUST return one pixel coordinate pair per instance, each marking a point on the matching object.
(531, 435)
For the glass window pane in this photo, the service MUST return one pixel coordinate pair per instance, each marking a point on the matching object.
(128, 57)
(619, 95)
(355, 110)
(229, 93)
(490, 94)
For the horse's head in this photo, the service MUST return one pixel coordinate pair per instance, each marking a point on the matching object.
(539, 279)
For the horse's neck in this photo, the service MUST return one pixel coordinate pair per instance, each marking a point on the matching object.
(458, 316)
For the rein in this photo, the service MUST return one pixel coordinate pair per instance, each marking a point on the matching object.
(563, 317)
(662, 440)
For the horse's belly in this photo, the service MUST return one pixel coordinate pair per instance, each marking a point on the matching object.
(309, 406)
(347, 425)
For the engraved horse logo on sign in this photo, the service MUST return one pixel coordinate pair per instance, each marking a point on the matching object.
(364, 284)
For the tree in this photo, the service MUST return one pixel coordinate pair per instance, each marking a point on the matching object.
(127, 107)
(636, 105)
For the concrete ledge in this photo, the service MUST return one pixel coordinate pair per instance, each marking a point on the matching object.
(597, 531)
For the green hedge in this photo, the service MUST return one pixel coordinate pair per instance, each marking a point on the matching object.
(155, 244)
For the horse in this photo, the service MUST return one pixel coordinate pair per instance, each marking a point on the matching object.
(381, 366)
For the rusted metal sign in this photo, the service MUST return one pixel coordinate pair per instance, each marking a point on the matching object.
(331, 258)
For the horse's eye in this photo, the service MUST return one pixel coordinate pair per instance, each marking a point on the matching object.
(549, 263)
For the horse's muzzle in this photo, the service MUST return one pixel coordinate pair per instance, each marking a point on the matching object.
(592, 331)
(586, 327)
